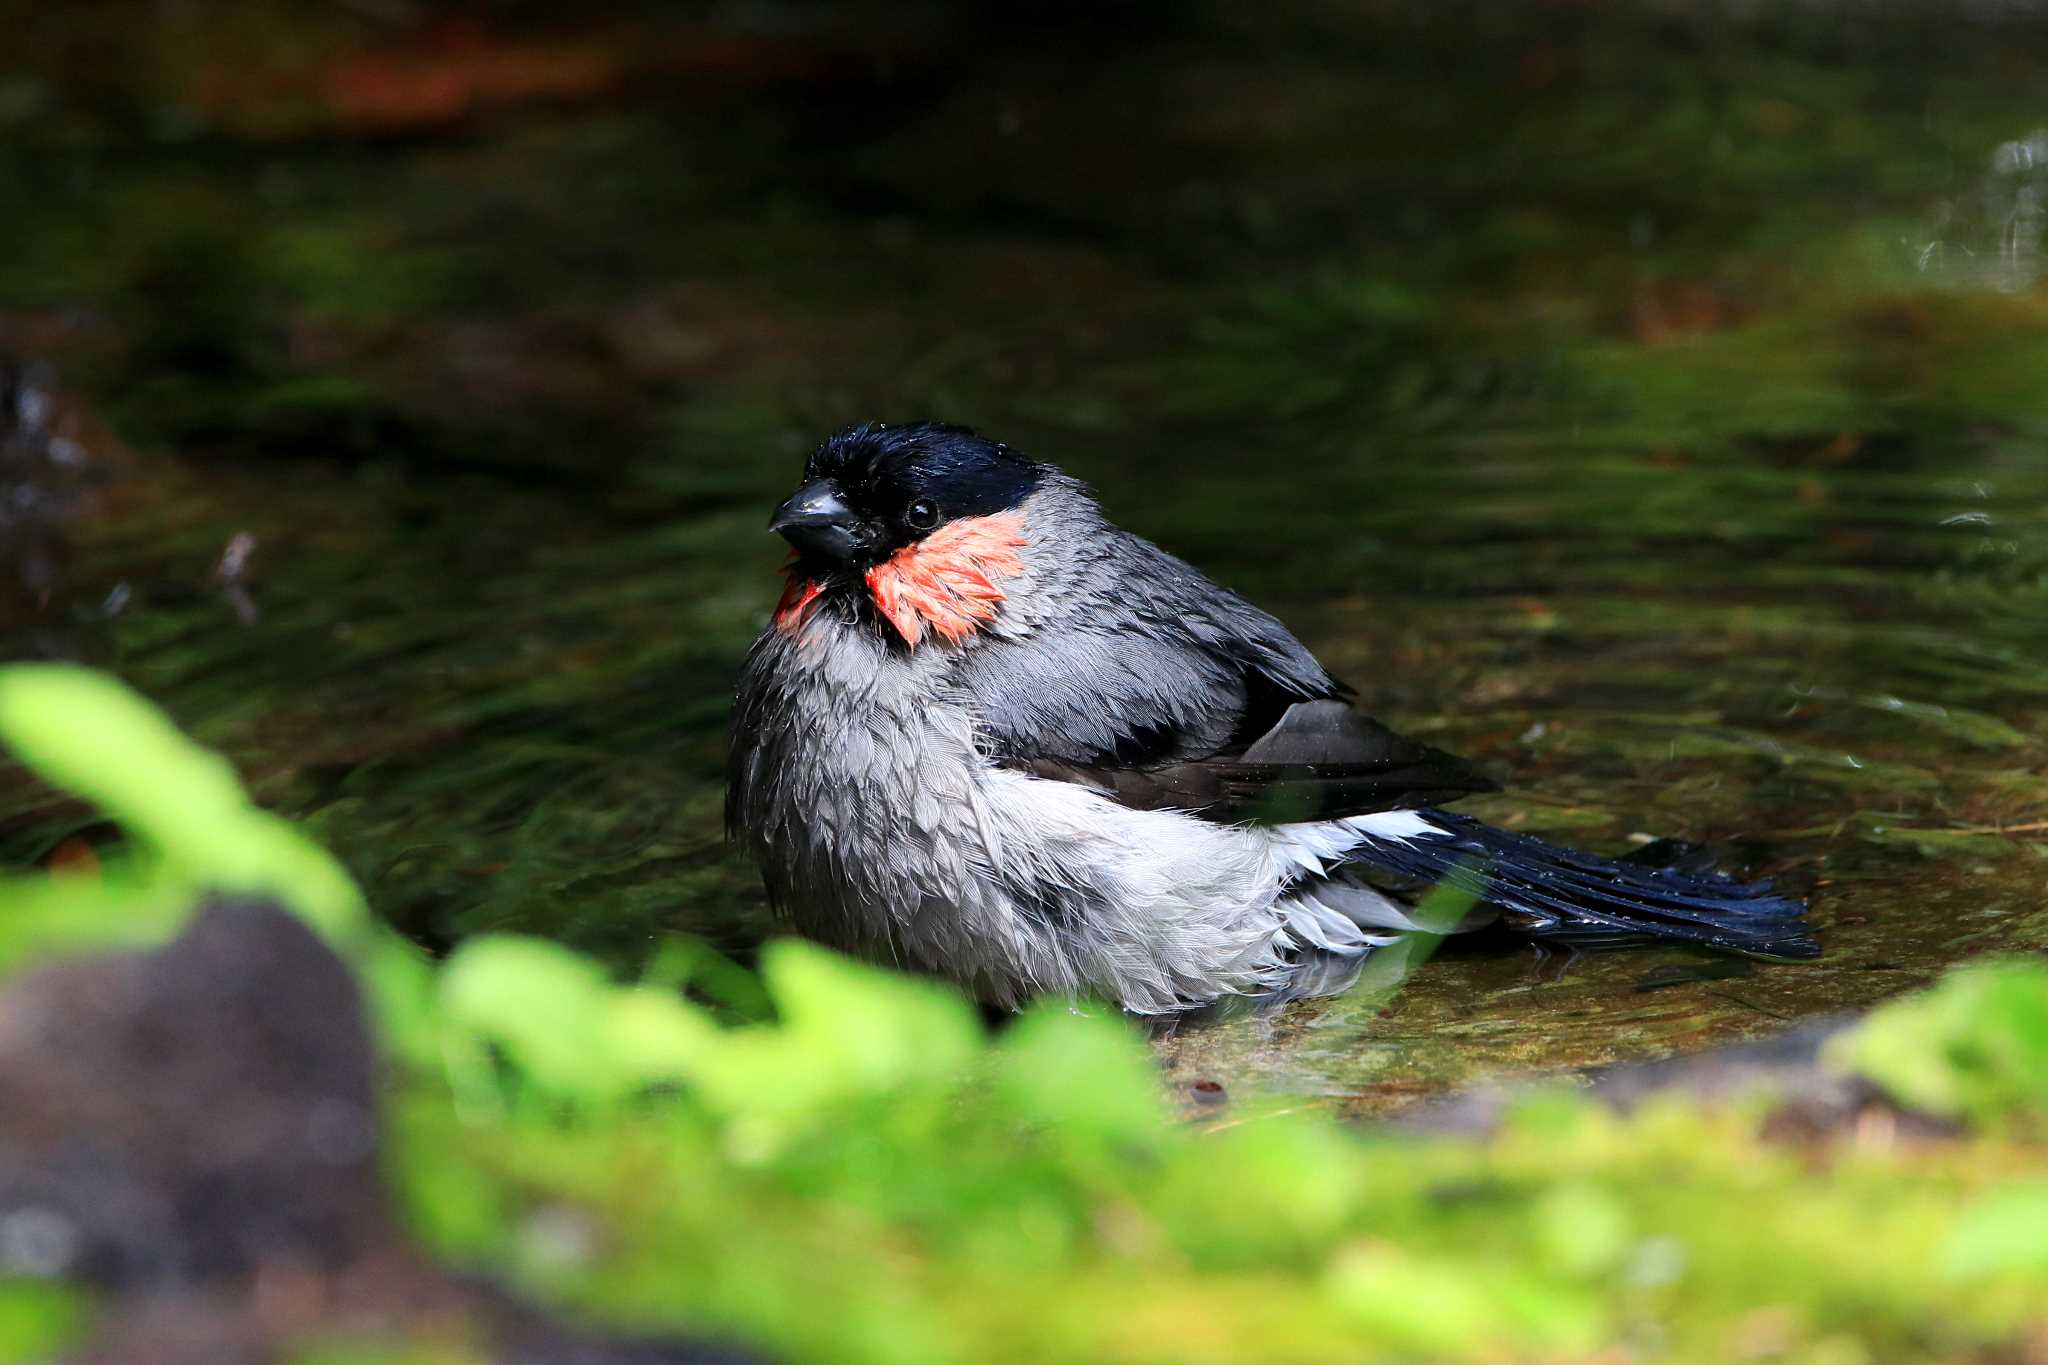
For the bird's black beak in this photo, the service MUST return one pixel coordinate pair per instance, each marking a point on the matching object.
(817, 521)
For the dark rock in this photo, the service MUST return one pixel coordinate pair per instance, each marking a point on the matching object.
(1813, 1101)
(193, 1113)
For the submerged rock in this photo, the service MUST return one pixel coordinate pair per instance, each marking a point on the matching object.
(39, 472)
(1811, 1100)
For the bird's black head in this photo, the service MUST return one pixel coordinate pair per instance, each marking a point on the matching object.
(872, 489)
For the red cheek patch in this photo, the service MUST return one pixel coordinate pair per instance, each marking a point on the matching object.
(948, 583)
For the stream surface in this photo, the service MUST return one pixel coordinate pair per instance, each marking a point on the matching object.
(1653, 408)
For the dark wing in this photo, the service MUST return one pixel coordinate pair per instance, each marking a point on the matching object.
(1140, 660)
(1168, 691)
(1320, 760)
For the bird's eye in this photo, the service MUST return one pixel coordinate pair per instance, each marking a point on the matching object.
(921, 515)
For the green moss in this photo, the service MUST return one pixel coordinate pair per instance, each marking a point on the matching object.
(38, 1319)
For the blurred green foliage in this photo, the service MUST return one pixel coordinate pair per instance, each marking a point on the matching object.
(1975, 1047)
(869, 1176)
(193, 828)
(38, 1319)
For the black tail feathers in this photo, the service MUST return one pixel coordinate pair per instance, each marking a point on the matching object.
(1559, 894)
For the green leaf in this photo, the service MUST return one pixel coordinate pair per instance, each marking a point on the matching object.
(39, 1320)
(1581, 1229)
(1973, 1047)
(1092, 1071)
(1452, 1306)
(2006, 1233)
(547, 1007)
(91, 735)
(879, 1028)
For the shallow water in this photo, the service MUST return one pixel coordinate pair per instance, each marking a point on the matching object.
(1648, 407)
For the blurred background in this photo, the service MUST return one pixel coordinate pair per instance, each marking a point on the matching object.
(1645, 399)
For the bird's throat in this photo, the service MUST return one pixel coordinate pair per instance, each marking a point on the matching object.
(799, 599)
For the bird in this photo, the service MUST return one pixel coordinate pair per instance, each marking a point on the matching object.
(991, 736)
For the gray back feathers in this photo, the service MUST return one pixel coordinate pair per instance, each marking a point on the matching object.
(1115, 649)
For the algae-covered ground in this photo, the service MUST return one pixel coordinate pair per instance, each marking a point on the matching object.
(1644, 400)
